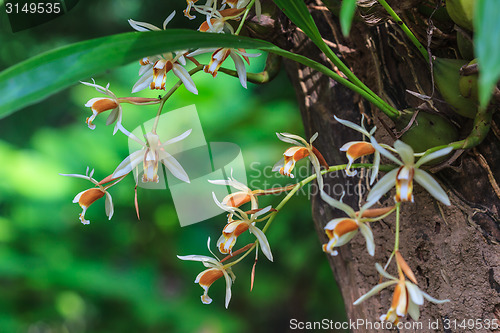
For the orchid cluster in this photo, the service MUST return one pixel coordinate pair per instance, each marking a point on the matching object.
(242, 207)
(153, 75)
(407, 295)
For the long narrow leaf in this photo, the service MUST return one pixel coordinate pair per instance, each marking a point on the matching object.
(487, 47)
(297, 12)
(346, 15)
(43, 75)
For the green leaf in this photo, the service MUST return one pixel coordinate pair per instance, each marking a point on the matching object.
(346, 15)
(487, 47)
(43, 75)
(297, 12)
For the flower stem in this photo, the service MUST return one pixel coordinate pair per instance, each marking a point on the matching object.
(249, 6)
(405, 29)
(294, 190)
(396, 239)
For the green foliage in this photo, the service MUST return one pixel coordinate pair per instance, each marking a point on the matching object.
(123, 275)
(346, 15)
(487, 48)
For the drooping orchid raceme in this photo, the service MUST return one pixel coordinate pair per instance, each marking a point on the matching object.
(220, 55)
(342, 230)
(301, 150)
(406, 299)
(357, 149)
(242, 223)
(88, 197)
(215, 271)
(151, 153)
(154, 69)
(102, 104)
(408, 171)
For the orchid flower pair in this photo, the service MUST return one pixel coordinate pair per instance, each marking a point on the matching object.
(402, 177)
(244, 221)
(154, 69)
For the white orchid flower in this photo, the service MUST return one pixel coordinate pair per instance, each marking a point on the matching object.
(408, 171)
(154, 69)
(151, 153)
(406, 299)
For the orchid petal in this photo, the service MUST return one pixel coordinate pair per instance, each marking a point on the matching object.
(383, 151)
(406, 152)
(292, 138)
(143, 82)
(142, 26)
(177, 138)
(184, 76)
(373, 291)
(288, 140)
(434, 300)
(201, 51)
(366, 231)
(128, 164)
(383, 186)
(168, 19)
(195, 257)
(174, 166)
(432, 186)
(228, 288)
(433, 156)
(382, 272)
(109, 205)
(415, 293)
(240, 69)
(352, 125)
(264, 244)
(338, 204)
(413, 310)
(375, 168)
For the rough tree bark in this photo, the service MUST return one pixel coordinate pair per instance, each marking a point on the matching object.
(453, 250)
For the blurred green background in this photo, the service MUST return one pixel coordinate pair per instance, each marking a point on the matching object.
(57, 275)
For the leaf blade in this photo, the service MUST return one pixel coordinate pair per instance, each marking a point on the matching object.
(39, 77)
(487, 48)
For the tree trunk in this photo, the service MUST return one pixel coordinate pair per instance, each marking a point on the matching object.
(454, 250)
